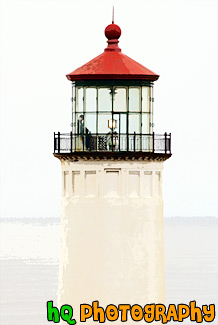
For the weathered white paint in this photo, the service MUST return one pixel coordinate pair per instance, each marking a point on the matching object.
(111, 233)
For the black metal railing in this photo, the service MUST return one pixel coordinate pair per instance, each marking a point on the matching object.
(69, 142)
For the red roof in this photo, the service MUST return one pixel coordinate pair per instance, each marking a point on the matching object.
(112, 63)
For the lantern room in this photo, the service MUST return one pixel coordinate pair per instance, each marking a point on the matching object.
(112, 106)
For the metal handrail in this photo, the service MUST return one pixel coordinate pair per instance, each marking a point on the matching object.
(112, 142)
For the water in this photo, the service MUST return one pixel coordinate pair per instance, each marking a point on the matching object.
(29, 258)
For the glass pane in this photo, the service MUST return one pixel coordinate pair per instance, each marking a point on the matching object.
(80, 131)
(90, 122)
(123, 132)
(134, 99)
(116, 123)
(73, 124)
(145, 99)
(120, 100)
(134, 123)
(73, 98)
(145, 124)
(120, 138)
(152, 99)
(123, 123)
(104, 100)
(151, 123)
(79, 123)
(91, 99)
(79, 100)
(103, 123)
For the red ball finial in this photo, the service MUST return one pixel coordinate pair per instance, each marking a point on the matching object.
(112, 31)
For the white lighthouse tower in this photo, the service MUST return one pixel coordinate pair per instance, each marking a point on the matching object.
(112, 246)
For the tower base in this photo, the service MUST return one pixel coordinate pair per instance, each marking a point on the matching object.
(112, 245)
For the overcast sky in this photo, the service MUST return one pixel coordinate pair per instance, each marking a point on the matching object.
(42, 41)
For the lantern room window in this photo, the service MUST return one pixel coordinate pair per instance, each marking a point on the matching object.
(91, 99)
(90, 122)
(134, 123)
(146, 99)
(134, 99)
(120, 99)
(79, 99)
(128, 108)
(103, 125)
(104, 100)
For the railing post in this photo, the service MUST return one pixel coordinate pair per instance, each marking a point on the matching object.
(165, 141)
(59, 142)
(134, 142)
(153, 142)
(71, 141)
(54, 143)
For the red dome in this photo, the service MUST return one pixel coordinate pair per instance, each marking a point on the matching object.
(112, 31)
(112, 64)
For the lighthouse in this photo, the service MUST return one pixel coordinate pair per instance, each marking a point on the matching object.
(112, 244)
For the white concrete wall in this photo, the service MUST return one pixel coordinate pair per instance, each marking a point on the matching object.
(111, 233)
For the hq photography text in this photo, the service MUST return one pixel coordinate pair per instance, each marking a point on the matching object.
(125, 312)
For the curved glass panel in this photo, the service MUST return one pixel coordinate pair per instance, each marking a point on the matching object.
(151, 109)
(151, 123)
(104, 100)
(80, 126)
(134, 123)
(79, 101)
(73, 124)
(103, 121)
(145, 99)
(134, 102)
(119, 97)
(91, 95)
(151, 99)
(90, 123)
(123, 125)
(122, 131)
(73, 98)
(145, 123)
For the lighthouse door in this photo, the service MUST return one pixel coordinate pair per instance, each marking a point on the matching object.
(121, 131)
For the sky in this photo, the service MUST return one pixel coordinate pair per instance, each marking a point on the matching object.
(42, 41)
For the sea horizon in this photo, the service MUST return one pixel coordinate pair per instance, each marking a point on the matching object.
(29, 263)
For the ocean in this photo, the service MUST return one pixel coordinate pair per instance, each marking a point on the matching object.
(29, 259)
